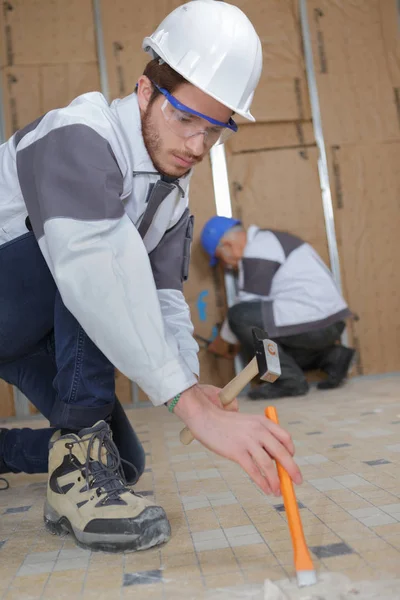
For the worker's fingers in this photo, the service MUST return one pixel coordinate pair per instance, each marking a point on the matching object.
(267, 468)
(280, 434)
(248, 465)
(275, 449)
(232, 406)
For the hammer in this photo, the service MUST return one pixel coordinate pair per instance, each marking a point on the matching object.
(265, 363)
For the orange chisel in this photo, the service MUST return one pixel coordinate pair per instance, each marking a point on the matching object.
(302, 559)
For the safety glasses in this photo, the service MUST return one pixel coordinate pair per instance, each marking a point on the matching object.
(186, 122)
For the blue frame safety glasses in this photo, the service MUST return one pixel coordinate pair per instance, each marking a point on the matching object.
(186, 122)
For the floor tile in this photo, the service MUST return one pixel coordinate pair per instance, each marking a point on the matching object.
(16, 509)
(32, 569)
(352, 481)
(142, 578)
(326, 484)
(391, 509)
(212, 544)
(281, 507)
(211, 534)
(378, 520)
(37, 557)
(330, 550)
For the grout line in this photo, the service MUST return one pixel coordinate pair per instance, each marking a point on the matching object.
(155, 500)
(86, 573)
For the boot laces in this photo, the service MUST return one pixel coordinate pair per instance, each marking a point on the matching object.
(109, 477)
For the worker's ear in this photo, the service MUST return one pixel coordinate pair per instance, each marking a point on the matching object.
(144, 92)
(227, 244)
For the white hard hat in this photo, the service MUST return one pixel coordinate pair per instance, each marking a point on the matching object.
(215, 47)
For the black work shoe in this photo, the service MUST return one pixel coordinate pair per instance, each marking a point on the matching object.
(271, 391)
(3, 466)
(87, 496)
(4, 485)
(336, 365)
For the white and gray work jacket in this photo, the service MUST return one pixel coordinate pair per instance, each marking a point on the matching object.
(292, 282)
(114, 233)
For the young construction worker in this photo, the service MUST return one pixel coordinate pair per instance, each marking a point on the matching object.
(286, 289)
(95, 232)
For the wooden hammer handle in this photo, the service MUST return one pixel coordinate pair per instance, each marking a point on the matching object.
(228, 393)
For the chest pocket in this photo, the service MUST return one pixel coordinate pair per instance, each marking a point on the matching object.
(170, 259)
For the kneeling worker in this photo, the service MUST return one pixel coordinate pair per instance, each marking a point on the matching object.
(286, 289)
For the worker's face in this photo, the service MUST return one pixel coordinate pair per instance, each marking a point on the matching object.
(229, 253)
(171, 154)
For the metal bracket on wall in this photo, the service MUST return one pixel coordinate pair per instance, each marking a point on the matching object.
(106, 93)
(100, 50)
(322, 160)
(223, 207)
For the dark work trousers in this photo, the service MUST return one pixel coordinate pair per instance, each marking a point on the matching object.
(46, 354)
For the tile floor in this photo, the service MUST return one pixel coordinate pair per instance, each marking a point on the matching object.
(227, 536)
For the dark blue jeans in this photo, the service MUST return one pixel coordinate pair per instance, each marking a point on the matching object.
(48, 356)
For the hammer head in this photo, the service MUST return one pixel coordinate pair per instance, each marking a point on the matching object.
(266, 351)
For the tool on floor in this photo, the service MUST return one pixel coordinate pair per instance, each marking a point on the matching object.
(302, 558)
(223, 350)
(265, 363)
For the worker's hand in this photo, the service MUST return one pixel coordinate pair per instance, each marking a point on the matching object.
(252, 441)
(212, 393)
(219, 347)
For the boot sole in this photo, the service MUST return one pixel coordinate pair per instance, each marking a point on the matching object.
(156, 533)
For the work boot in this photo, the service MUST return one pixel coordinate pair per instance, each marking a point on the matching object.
(336, 364)
(279, 389)
(87, 496)
(4, 485)
(3, 466)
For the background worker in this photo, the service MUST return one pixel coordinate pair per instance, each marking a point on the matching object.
(286, 289)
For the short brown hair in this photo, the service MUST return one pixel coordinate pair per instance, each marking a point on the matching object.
(164, 76)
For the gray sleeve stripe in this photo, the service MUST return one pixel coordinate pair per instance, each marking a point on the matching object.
(21, 133)
(288, 241)
(70, 173)
(168, 257)
(258, 274)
